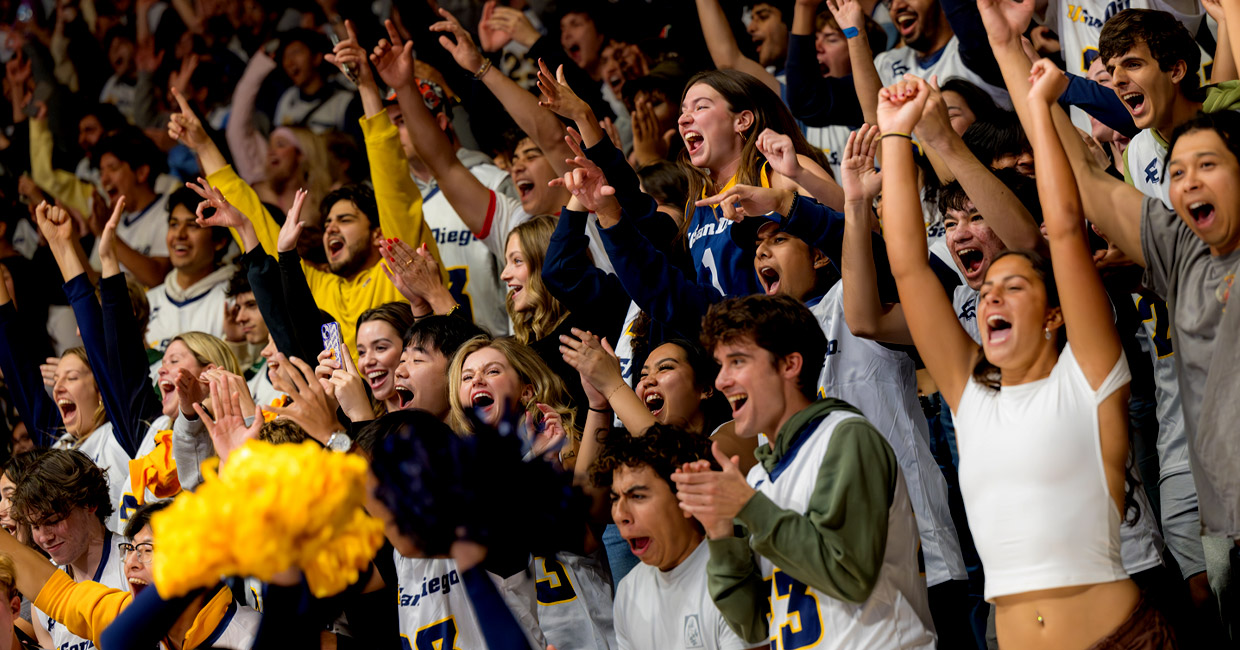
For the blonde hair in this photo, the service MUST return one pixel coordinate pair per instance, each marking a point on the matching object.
(534, 236)
(530, 368)
(208, 349)
(8, 577)
(316, 176)
(101, 414)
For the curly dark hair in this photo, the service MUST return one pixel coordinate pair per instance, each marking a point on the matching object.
(953, 197)
(778, 324)
(56, 483)
(662, 447)
(1168, 39)
(360, 195)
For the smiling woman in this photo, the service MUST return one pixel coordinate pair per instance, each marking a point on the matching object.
(380, 332)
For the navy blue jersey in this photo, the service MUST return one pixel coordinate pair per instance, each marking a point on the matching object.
(717, 260)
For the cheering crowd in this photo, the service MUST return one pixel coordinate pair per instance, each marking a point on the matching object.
(619, 324)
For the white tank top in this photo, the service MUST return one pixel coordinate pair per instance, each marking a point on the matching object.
(1033, 481)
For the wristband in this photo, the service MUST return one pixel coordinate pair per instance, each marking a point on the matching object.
(599, 410)
(850, 32)
(486, 65)
(895, 134)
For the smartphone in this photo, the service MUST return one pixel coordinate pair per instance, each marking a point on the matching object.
(350, 70)
(331, 340)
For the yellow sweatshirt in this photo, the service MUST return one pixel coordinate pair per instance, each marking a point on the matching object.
(65, 186)
(400, 216)
(88, 608)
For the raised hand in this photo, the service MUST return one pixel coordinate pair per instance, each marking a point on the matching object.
(461, 46)
(493, 34)
(550, 439)
(1005, 20)
(558, 97)
(185, 127)
(649, 145)
(935, 127)
(713, 497)
(179, 79)
(393, 59)
(350, 57)
(742, 201)
(108, 262)
(290, 230)
(227, 429)
(780, 152)
(861, 182)
(900, 105)
(56, 225)
(415, 274)
(595, 360)
(587, 183)
(48, 368)
(516, 23)
(1046, 82)
(189, 391)
(848, 13)
(311, 409)
(348, 389)
(226, 215)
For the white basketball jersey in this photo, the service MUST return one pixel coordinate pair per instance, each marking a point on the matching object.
(624, 351)
(893, 63)
(831, 140)
(1079, 25)
(964, 301)
(434, 610)
(473, 272)
(236, 631)
(145, 231)
(882, 384)
(575, 600)
(897, 613)
(1144, 166)
(110, 573)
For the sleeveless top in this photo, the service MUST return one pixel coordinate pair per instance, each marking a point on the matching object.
(1034, 486)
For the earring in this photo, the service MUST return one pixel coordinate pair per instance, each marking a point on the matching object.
(1048, 333)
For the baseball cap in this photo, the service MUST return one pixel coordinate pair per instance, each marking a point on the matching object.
(745, 233)
(433, 96)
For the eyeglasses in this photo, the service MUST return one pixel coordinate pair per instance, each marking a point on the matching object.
(146, 552)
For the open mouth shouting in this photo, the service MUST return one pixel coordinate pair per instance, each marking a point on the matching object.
(906, 22)
(1135, 102)
(639, 545)
(738, 402)
(136, 585)
(483, 401)
(335, 246)
(525, 188)
(655, 402)
(1202, 213)
(403, 395)
(999, 329)
(68, 410)
(769, 278)
(693, 141)
(971, 261)
(377, 379)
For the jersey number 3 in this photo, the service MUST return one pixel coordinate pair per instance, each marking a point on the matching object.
(802, 625)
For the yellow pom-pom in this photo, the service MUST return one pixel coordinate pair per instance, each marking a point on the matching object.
(278, 506)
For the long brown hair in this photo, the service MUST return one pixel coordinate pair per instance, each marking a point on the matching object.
(548, 388)
(534, 236)
(985, 372)
(744, 92)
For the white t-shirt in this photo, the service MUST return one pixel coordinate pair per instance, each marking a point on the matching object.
(1033, 480)
(671, 609)
(831, 140)
(318, 115)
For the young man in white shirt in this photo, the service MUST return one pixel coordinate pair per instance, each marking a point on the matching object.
(128, 165)
(663, 602)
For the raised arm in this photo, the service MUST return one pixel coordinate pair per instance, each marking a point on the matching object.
(945, 347)
(540, 124)
(1111, 204)
(721, 43)
(1224, 53)
(1004, 213)
(248, 146)
(797, 171)
(864, 311)
(1086, 308)
(851, 14)
(467, 195)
